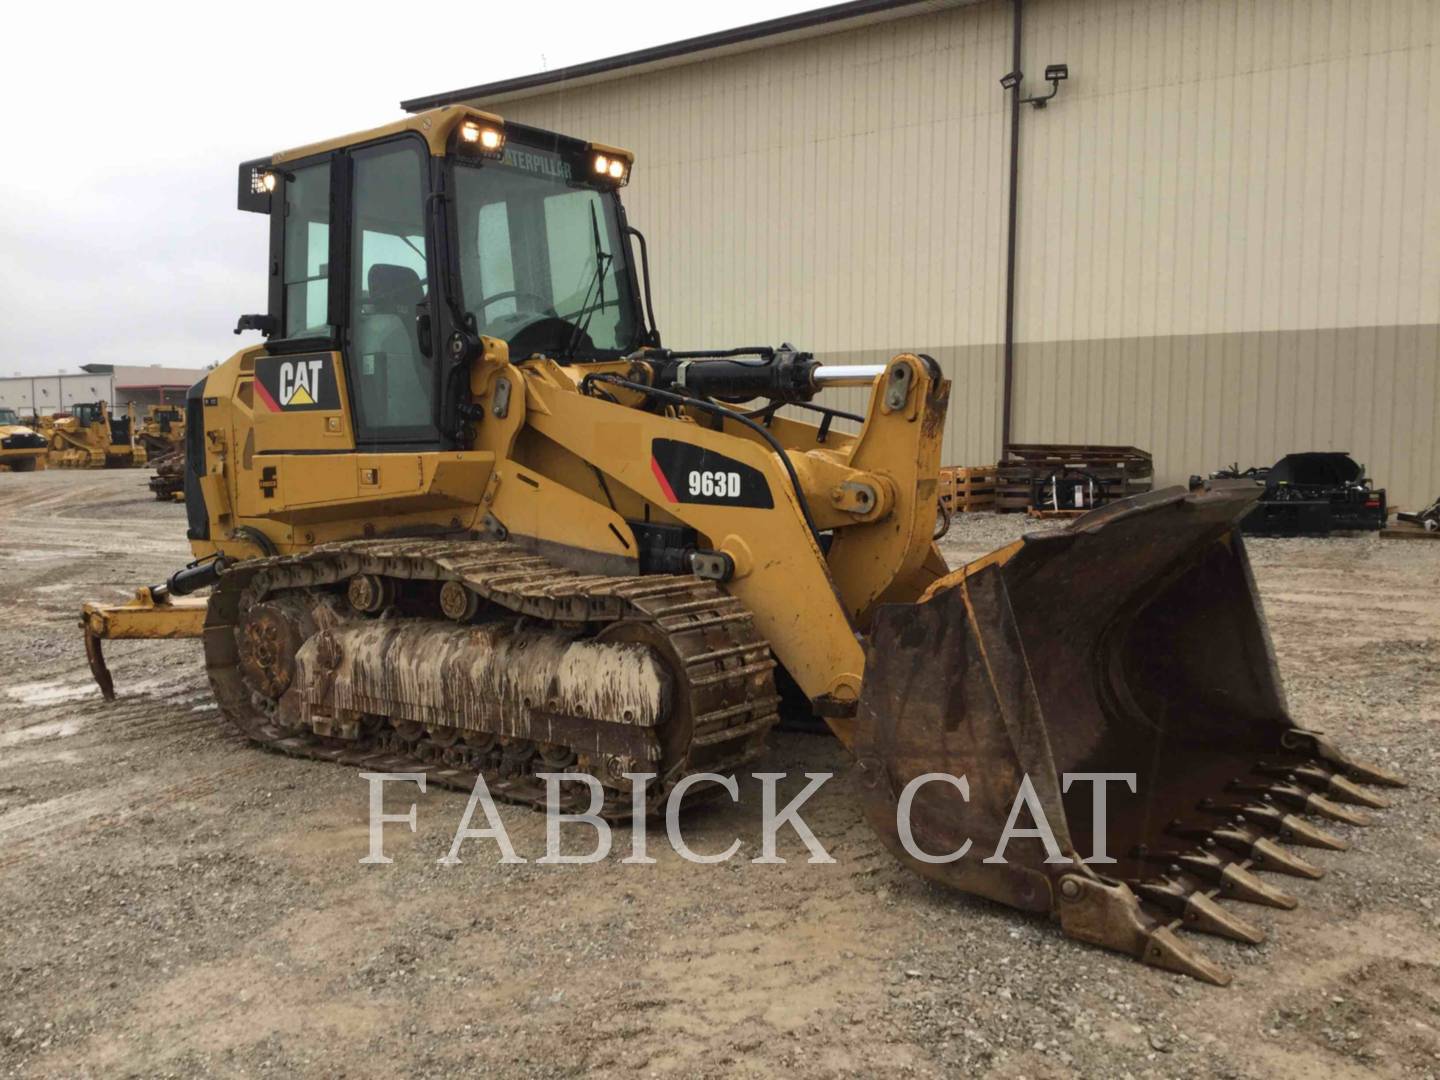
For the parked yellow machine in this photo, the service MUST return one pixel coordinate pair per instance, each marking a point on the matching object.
(161, 431)
(22, 449)
(463, 513)
(90, 437)
(162, 434)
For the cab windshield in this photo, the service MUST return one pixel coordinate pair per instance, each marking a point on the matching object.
(9, 416)
(543, 263)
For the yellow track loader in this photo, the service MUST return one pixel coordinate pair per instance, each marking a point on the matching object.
(462, 512)
(92, 438)
(162, 434)
(161, 431)
(21, 448)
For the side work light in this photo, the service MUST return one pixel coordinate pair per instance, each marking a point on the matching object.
(610, 165)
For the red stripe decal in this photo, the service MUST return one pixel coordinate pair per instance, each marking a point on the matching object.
(264, 396)
(660, 478)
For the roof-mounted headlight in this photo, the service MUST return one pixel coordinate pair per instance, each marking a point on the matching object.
(482, 138)
(609, 165)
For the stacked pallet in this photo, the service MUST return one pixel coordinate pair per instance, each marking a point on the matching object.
(967, 489)
(1028, 471)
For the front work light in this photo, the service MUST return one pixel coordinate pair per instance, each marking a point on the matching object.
(610, 165)
(477, 136)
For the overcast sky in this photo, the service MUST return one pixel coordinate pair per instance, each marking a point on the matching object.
(119, 237)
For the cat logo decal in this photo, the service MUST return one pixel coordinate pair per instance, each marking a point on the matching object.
(296, 383)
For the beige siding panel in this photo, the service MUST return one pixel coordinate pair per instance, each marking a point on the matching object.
(1216, 165)
(1229, 247)
(1229, 242)
(1200, 394)
(846, 193)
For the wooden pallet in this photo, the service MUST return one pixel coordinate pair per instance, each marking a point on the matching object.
(1403, 530)
(1024, 468)
(1034, 513)
(967, 489)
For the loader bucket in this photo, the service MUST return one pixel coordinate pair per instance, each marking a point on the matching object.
(1132, 643)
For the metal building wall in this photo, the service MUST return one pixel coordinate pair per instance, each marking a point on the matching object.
(25, 393)
(1228, 245)
(46, 394)
(144, 385)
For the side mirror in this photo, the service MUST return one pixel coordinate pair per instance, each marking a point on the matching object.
(266, 324)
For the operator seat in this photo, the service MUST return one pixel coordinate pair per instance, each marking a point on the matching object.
(392, 379)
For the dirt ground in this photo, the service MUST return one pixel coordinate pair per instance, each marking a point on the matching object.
(174, 902)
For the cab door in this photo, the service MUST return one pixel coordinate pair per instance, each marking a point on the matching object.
(389, 354)
(345, 402)
(296, 390)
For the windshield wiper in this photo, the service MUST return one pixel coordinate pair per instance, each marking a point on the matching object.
(596, 285)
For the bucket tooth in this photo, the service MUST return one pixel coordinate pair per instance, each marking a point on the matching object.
(1108, 914)
(1288, 827)
(1295, 797)
(1319, 804)
(1298, 831)
(1324, 780)
(1197, 910)
(1343, 790)
(1265, 854)
(1348, 791)
(1232, 879)
(1194, 861)
(1262, 853)
(1237, 883)
(1164, 949)
(1313, 742)
(1207, 916)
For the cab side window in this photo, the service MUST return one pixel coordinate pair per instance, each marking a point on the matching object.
(392, 381)
(307, 252)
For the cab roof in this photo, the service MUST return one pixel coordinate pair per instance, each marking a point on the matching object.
(434, 126)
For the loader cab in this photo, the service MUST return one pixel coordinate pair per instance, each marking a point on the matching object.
(165, 416)
(394, 251)
(122, 426)
(88, 414)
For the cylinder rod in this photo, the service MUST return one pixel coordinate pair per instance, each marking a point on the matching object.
(827, 375)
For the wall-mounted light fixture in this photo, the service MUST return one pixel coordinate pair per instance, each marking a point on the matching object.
(1011, 79)
(1055, 74)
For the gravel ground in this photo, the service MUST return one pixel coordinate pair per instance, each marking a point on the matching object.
(174, 902)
